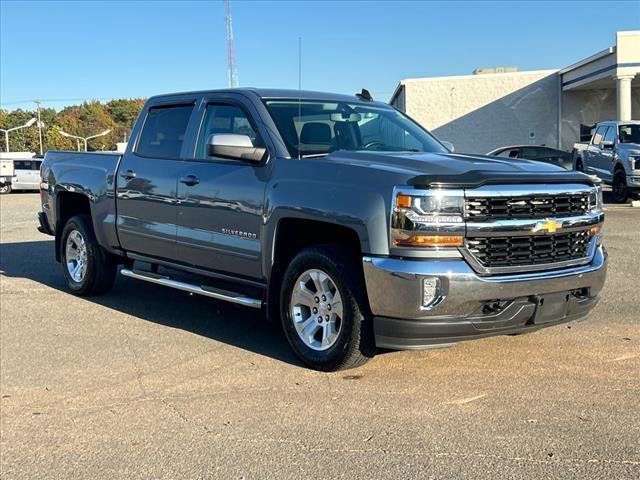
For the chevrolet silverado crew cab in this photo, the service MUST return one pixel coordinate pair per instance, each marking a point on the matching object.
(340, 217)
(613, 154)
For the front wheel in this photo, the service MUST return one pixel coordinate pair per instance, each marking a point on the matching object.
(619, 187)
(87, 268)
(5, 188)
(322, 309)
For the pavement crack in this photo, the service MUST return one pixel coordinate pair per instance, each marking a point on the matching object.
(135, 360)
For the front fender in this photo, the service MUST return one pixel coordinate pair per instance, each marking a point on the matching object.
(342, 196)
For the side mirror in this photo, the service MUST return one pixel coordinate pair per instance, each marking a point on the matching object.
(235, 147)
(607, 144)
(449, 146)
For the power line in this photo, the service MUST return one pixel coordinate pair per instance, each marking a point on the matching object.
(58, 100)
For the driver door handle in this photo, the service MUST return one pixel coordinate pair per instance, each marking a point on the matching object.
(128, 175)
(190, 180)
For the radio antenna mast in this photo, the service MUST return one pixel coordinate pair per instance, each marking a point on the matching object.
(232, 72)
(299, 92)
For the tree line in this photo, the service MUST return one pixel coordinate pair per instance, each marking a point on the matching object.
(83, 120)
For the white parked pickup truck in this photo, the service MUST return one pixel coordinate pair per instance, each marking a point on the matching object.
(613, 154)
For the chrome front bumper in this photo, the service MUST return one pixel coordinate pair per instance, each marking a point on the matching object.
(395, 289)
(633, 181)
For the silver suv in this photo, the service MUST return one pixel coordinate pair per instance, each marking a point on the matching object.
(613, 154)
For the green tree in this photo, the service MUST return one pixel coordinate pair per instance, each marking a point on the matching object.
(25, 139)
(83, 120)
(54, 140)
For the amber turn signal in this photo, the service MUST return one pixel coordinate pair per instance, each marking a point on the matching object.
(594, 230)
(431, 241)
(403, 201)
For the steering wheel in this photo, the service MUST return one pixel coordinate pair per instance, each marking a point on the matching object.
(370, 144)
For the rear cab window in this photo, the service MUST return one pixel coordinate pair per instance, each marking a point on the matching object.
(164, 131)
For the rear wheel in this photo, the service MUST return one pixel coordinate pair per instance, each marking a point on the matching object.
(323, 313)
(5, 188)
(619, 187)
(87, 268)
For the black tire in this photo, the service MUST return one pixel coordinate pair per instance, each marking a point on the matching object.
(579, 165)
(619, 188)
(5, 188)
(100, 268)
(355, 342)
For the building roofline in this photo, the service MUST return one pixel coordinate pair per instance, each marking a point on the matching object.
(396, 92)
(482, 75)
(586, 61)
(628, 32)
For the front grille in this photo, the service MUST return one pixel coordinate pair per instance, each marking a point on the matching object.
(513, 251)
(479, 209)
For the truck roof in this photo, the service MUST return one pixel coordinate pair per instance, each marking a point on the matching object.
(277, 93)
(619, 122)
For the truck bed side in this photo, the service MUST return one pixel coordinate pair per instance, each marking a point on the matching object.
(86, 180)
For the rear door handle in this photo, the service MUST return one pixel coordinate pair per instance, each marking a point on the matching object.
(128, 175)
(190, 180)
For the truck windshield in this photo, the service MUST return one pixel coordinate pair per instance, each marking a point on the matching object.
(629, 133)
(317, 128)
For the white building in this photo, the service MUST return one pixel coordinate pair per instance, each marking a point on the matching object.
(480, 112)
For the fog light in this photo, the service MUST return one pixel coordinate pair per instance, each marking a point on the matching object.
(430, 290)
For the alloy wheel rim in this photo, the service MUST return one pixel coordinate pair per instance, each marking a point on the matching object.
(316, 309)
(76, 256)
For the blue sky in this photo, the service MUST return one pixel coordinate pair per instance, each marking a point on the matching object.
(65, 52)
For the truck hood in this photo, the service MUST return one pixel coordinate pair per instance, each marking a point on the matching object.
(459, 170)
(626, 149)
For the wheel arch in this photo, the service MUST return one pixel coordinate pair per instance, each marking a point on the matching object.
(69, 204)
(291, 235)
(619, 167)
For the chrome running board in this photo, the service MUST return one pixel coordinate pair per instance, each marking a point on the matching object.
(211, 292)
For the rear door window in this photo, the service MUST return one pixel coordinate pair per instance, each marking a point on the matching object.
(532, 153)
(163, 131)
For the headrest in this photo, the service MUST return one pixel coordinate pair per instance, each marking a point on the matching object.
(316, 133)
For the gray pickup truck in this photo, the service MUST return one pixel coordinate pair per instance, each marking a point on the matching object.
(339, 216)
(613, 154)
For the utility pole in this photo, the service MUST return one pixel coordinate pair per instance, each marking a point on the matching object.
(232, 72)
(37, 102)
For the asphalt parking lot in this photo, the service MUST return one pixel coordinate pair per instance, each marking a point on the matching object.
(147, 382)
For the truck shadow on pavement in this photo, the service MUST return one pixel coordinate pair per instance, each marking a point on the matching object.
(234, 325)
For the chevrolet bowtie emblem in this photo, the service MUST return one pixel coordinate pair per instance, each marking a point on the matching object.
(550, 226)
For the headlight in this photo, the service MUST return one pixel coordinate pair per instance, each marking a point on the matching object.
(595, 199)
(634, 160)
(427, 219)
